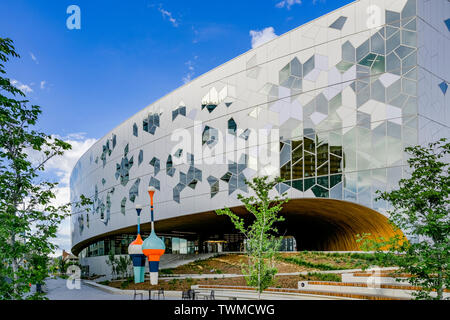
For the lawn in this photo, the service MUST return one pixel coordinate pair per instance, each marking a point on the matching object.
(227, 264)
(328, 261)
(185, 284)
(286, 262)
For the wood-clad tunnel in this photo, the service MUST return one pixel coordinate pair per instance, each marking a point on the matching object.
(316, 224)
(330, 225)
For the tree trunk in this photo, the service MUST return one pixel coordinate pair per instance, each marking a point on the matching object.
(440, 289)
(15, 266)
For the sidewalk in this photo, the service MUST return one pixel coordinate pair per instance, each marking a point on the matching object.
(56, 289)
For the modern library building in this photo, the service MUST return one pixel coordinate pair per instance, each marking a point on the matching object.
(329, 107)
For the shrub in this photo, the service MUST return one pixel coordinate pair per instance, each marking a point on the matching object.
(125, 284)
(301, 262)
(324, 276)
(166, 271)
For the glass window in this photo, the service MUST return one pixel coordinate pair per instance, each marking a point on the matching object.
(403, 51)
(285, 154)
(176, 245)
(296, 68)
(399, 101)
(140, 157)
(310, 165)
(335, 164)
(308, 66)
(335, 179)
(322, 154)
(310, 145)
(378, 93)
(393, 42)
(101, 248)
(409, 9)
(409, 38)
(284, 74)
(409, 87)
(285, 171)
(411, 25)
(320, 192)
(409, 62)
(339, 23)
(363, 96)
(393, 18)
(232, 126)
(183, 246)
(378, 65)
(190, 247)
(348, 52)
(377, 43)
(362, 50)
(297, 154)
(309, 183)
(298, 184)
(297, 170)
(343, 66)
(323, 170)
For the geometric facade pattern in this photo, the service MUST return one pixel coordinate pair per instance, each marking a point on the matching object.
(345, 93)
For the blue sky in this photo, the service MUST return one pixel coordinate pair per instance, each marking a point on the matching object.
(127, 55)
(130, 53)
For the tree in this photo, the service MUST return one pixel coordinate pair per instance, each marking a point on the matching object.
(112, 261)
(123, 266)
(261, 240)
(420, 208)
(120, 266)
(62, 265)
(28, 217)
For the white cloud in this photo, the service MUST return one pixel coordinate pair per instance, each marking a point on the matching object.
(22, 87)
(62, 166)
(167, 14)
(188, 77)
(288, 3)
(43, 82)
(33, 57)
(261, 37)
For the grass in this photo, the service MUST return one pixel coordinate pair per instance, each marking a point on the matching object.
(126, 283)
(301, 262)
(166, 271)
(317, 276)
(329, 261)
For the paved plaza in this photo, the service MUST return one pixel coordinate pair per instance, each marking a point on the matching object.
(57, 290)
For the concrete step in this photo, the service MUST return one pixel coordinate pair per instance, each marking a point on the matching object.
(374, 278)
(390, 291)
(394, 291)
(299, 293)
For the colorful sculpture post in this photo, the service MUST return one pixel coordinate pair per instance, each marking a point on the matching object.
(153, 246)
(136, 254)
